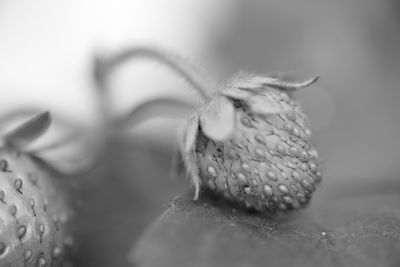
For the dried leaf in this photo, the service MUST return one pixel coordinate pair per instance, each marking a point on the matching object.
(188, 152)
(264, 105)
(286, 81)
(190, 133)
(282, 75)
(236, 93)
(29, 131)
(242, 88)
(218, 119)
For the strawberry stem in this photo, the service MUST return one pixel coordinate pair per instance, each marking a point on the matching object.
(103, 67)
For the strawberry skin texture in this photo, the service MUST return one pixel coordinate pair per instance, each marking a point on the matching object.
(34, 213)
(268, 163)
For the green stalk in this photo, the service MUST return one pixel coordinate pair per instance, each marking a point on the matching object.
(105, 66)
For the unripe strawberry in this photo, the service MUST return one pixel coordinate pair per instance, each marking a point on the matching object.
(251, 144)
(34, 208)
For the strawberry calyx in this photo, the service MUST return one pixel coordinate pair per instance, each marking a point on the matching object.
(21, 139)
(28, 132)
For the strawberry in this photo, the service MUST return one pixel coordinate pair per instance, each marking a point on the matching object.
(251, 144)
(34, 210)
(250, 141)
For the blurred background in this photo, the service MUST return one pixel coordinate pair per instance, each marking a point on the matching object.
(46, 59)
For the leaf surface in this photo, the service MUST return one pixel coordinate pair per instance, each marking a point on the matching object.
(348, 231)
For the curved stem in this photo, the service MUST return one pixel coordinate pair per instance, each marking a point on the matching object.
(178, 64)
